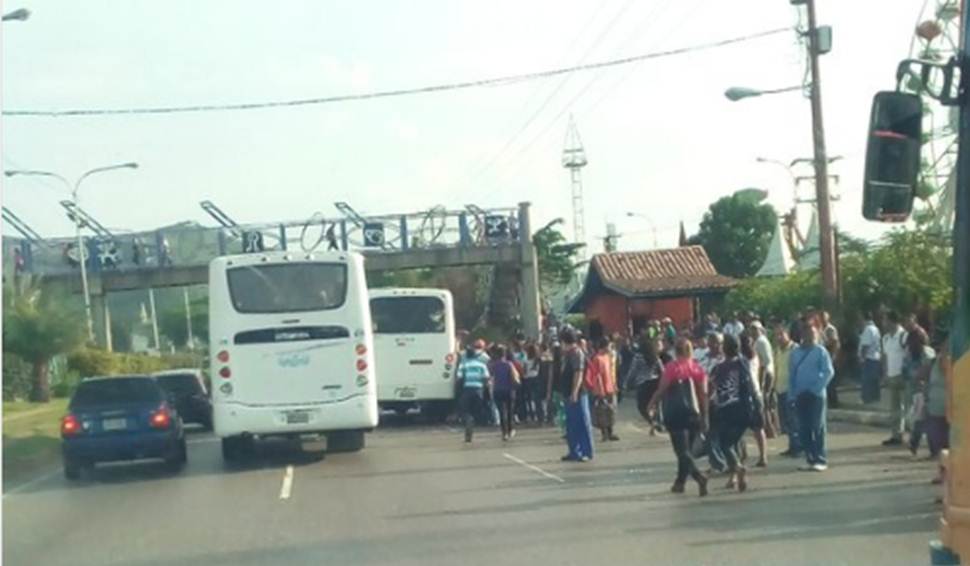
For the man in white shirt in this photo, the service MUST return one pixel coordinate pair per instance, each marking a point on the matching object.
(893, 354)
(734, 327)
(766, 375)
(870, 356)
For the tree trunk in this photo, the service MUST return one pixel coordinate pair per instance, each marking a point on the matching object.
(41, 390)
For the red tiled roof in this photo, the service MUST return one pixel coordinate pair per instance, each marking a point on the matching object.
(660, 271)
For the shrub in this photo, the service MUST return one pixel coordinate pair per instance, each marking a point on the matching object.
(89, 362)
(16, 377)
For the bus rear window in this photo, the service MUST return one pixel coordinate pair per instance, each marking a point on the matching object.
(293, 287)
(408, 315)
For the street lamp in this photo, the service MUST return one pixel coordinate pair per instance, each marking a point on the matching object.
(19, 15)
(77, 225)
(736, 93)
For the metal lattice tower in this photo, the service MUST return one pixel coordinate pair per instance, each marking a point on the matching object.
(574, 159)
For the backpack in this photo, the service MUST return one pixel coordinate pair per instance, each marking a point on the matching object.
(750, 402)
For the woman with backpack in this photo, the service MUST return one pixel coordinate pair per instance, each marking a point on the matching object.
(733, 403)
(683, 391)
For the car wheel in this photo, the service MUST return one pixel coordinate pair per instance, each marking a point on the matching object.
(345, 441)
(72, 469)
(177, 460)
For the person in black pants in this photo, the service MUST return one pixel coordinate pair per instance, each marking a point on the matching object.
(732, 391)
(682, 422)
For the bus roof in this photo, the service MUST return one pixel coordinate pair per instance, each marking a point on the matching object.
(409, 292)
(286, 256)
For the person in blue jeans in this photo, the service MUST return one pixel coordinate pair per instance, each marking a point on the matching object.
(810, 371)
(579, 428)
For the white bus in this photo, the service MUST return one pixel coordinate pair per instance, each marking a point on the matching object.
(414, 349)
(292, 349)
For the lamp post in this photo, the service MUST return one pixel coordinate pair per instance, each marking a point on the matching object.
(82, 259)
(736, 93)
(19, 15)
(819, 42)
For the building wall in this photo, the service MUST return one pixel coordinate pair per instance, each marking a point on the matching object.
(610, 311)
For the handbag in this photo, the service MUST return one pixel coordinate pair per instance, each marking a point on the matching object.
(604, 414)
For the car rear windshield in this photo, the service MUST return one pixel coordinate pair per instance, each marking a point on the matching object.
(180, 383)
(114, 391)
(408, 315)
(292, 287)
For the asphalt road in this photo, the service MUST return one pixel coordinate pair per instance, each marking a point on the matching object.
(418, 495)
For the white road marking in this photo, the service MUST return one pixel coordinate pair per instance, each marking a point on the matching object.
(537, 469)
(782, 531)
(33, 482)
(287, 483)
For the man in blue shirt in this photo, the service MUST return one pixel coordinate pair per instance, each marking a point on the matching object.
(810, 371)
(475, 377)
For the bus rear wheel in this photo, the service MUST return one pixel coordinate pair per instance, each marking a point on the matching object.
(345, 441)
(234, 448)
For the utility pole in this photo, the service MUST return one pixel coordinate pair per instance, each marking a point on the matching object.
(827, 250)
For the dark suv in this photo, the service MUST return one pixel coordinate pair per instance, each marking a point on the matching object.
(120, 418)
(191, 398)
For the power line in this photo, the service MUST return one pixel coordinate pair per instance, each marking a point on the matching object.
(589, 50)
(495, 81)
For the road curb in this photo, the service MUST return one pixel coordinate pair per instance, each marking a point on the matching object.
(868, 418)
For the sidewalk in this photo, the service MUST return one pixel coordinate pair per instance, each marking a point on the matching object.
(852, 410)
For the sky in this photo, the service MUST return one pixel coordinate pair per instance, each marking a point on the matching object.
(661, 138)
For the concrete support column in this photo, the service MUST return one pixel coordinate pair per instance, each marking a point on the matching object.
(101, 314)
(529, 273)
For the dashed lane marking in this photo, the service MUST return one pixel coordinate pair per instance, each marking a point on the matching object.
(534, 468)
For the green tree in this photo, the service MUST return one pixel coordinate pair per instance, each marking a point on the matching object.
(172, 323)
(38, 324)
(555, 255)
(735, 232)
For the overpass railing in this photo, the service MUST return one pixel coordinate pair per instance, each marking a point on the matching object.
(191, 244)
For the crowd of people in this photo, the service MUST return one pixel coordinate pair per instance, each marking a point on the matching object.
(707, 386)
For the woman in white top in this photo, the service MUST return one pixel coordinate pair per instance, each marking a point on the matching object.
(758, 422)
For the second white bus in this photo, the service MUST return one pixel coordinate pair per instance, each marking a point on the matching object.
(415, 349)
(292, 349)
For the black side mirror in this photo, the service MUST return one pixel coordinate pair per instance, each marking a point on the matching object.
(892, 156)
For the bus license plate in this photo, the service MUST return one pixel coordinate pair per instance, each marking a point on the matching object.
(297, 417)
(114, 424)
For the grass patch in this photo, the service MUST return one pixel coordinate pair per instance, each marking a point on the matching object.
(31, 437)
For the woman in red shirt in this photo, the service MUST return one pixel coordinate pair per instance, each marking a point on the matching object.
(684, 422)
(603, 389)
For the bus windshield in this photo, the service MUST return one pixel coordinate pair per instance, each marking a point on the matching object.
(408, 315)
(280, 288)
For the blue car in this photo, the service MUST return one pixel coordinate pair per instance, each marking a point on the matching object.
(112, 419)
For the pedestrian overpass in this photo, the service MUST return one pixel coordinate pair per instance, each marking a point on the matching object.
(178, 256)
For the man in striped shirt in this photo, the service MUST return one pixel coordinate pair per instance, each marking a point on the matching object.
(475, 377)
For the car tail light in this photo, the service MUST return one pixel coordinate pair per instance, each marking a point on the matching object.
(361, 349)
(223, 356)
(225, 373)
(70, 426)
(361, 365)
(161, 418)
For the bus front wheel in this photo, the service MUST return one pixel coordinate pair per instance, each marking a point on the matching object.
(345, 441)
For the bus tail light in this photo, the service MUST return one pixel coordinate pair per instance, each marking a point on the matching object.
(361, 349)
(450, 358)
(223, 356)
(361, 365)
(225, 372)
(70, 426)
